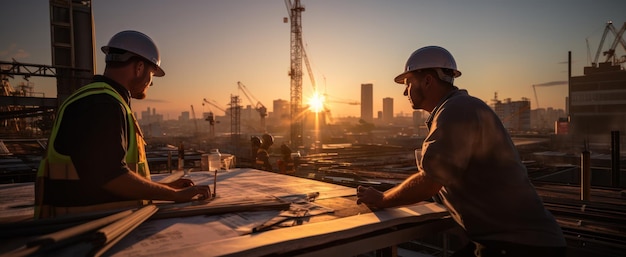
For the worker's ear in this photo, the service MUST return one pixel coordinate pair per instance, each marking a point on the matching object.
(139, 68)
(428, 80)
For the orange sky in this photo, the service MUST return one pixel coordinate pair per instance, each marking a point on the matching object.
(207, 46)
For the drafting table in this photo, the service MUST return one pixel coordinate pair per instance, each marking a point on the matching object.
(341, 229)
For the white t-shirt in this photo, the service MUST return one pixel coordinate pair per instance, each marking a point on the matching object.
(485, 185)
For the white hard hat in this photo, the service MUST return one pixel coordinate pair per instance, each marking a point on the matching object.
(430, 57)
(136, 43)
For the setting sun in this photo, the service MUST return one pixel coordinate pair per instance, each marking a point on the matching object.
(316, 103)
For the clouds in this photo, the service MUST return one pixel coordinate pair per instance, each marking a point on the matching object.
(13, 52)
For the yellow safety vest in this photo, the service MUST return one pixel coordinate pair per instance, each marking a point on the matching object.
(56, 166)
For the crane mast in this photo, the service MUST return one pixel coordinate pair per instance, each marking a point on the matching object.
(295, 71)
(195, 121)
(211, 117)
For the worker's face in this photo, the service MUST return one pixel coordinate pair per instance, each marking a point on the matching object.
(143, 79)
(416, 89)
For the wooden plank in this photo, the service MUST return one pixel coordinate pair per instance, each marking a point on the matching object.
(59, 236)
(227, 207)
(42, 226)
(110, 235)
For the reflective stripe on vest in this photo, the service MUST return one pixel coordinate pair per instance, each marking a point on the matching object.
(60, 167)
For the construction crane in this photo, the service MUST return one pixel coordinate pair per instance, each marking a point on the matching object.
(211, 117)
(195, 122)
(536, 98)
(547, 84)
(258, 106)
(330, 99)
(295, 10)
(610, 54)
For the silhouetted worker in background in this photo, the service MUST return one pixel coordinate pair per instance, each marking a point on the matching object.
(181, 156)
(286, 164)
(255, 144)
(469, 160)
(263, 155)
(96, 159)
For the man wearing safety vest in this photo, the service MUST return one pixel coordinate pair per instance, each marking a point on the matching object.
(95, 159)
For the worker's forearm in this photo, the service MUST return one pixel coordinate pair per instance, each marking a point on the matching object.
(415, 189)
(132, 186)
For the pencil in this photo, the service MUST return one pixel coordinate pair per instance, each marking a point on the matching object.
(215, 185)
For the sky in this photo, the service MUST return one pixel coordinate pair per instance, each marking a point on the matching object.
(207, 46)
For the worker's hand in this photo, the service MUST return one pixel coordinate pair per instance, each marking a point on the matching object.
(369, 196)
(193, 193)
(180, 183)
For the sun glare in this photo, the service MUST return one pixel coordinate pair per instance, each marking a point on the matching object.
(316, 103)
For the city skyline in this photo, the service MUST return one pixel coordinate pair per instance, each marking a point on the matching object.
(501, 47)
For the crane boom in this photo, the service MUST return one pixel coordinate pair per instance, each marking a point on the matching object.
(618, 40)
(193, 115)
(214, 104)
(259, 107)
(547, 84)
(606, 30)
(308, 67)
(536, 98)
(249, 95)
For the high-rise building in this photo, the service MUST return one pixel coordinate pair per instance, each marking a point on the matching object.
(150, 116)
(367, 102)
(184, 116)
(387, 109)
(280, 109)
(515, 115)
(598, 100)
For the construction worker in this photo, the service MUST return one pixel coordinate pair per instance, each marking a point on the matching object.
(469, 161)
(286, 164)
(263, 155)
(255, 144)
(96, 159)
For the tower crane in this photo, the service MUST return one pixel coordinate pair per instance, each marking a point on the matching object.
(610, 54)
(295, 10)
(259, 107)
(211, 117)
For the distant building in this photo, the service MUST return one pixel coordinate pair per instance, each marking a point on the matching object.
(150, 122)
(184, 116)
(515, 115)
(367, 102)
(388, 109)
(150, 116)
(598, 101)
(280, 110)
(543, 119)
(419, 123)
